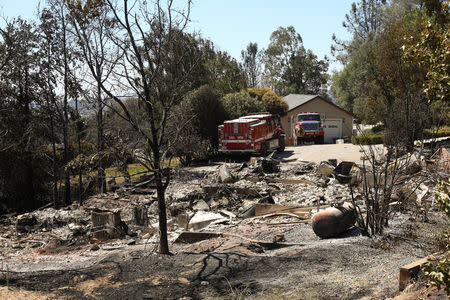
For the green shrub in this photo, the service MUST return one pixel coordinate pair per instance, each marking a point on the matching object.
(275, 104)
(378, 128)
(438, 270)
(430, 133)
(370, 139)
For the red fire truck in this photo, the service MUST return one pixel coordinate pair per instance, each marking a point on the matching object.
(309, 128)
(255, 133)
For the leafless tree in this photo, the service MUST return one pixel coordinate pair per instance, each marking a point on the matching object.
(92, 25)
(154, 64)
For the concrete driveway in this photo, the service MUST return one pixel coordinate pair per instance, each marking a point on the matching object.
(318, 153)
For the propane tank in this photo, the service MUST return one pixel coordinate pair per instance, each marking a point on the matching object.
(334, 220)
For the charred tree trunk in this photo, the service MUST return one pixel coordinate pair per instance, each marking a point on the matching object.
(101, 180)
(54, 165)
(80, 175)
(162, 214)
(67, 199)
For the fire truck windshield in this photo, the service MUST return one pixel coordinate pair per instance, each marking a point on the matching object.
(308, 118)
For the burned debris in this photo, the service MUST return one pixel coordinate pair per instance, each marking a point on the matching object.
(262, 207)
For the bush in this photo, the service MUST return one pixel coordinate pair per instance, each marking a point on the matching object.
(430, 133)
(258, 92)
(438, 271)
(378, 128)
(370, 139)
(195, 122)
(275, 104)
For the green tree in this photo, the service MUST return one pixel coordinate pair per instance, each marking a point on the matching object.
(362, 21)
(23, 132)
(222, 71)
(251, 63)
(290, 68)
(431, 52)
(438, 271)
(240, 104)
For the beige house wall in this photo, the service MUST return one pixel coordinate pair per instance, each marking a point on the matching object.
(327, 110)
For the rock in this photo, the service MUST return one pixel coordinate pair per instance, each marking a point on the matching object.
(202, 219)
(324, 169)
(200, 205)
(413, 166)
(25, 222)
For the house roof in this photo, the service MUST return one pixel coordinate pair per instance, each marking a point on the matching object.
(296, 100)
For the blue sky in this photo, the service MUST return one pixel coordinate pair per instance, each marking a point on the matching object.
(232, 24)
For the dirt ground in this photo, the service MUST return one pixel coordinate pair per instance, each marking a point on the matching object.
(318, 153)
(256, 257)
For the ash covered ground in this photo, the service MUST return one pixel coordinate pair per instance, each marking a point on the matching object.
(60, 253)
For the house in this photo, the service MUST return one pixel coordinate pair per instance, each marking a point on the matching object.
(337, 122)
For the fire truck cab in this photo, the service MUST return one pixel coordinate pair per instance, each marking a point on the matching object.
(309, 127)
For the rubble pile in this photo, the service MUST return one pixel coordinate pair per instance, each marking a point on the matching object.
(228, 198)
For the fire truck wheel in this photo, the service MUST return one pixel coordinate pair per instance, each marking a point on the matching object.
(320, 139)
(299, 140)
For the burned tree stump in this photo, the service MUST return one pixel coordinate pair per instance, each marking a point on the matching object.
(140, 215)
(105, 225)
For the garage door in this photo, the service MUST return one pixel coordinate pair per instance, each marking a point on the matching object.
(333, 130)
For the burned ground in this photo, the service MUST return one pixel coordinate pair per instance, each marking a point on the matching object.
(54, 254)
